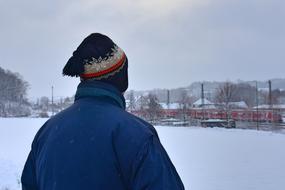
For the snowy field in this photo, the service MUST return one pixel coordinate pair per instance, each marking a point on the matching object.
(206, 158)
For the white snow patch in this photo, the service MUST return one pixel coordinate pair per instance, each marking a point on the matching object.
(16, 136)
(223, 159)
(205, 158)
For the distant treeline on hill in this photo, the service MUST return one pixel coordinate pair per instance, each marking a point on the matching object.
(13, 94)
(244, 89)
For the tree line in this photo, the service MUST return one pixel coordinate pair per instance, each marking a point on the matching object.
(13, 94)
(225, 97)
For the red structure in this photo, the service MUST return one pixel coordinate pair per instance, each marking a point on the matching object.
(262, 115)
(237, 115)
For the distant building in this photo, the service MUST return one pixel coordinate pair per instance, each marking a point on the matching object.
(207, 104)
(275, 106)
(170, 106)
(238, 105)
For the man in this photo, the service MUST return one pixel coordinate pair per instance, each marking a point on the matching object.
(95, 144)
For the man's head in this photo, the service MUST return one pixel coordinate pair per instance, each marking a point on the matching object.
(99, 58)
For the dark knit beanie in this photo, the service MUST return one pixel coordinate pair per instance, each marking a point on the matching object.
(99, 58)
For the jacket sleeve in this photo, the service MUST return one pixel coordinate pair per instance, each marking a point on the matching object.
(153, 169)
(28, 178)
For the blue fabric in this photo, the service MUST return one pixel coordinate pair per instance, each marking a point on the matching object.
(99, 89)
(96, 145)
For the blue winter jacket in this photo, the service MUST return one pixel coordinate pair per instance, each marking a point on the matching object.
(96, 145)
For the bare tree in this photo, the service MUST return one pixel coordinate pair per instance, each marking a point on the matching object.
(154, 108)
(141, 106)
(245, 92)
(132, 102)
(275, 97)
(44, 103)
(224, 95)
(185, 102)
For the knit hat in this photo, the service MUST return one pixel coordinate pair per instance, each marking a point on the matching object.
(99, 58)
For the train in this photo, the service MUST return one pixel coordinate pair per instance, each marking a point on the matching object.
(250, 115)
(262, 115)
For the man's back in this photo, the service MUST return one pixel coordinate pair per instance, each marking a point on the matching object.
(95, 144)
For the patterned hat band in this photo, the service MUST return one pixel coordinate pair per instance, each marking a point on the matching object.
(104, 67)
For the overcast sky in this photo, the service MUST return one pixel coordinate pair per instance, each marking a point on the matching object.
(169, 43)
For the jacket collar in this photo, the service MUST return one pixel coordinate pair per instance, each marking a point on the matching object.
(100, 89)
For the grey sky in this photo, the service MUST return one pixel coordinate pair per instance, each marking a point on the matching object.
(169, 43)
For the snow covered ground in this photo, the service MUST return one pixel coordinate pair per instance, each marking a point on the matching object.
(206, 158)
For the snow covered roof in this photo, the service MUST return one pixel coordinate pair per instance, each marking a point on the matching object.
(206, 106)
(170, 106)
(266, 106)
(240, 104)
(199, 102)
(263, 89)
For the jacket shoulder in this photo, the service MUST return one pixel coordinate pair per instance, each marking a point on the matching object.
(137, 126)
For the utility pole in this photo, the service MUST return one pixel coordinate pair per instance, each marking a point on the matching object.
(203, 100)
(52, 111)
(270, 93)
(168, 99)
(270, 100)
(256, 98)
